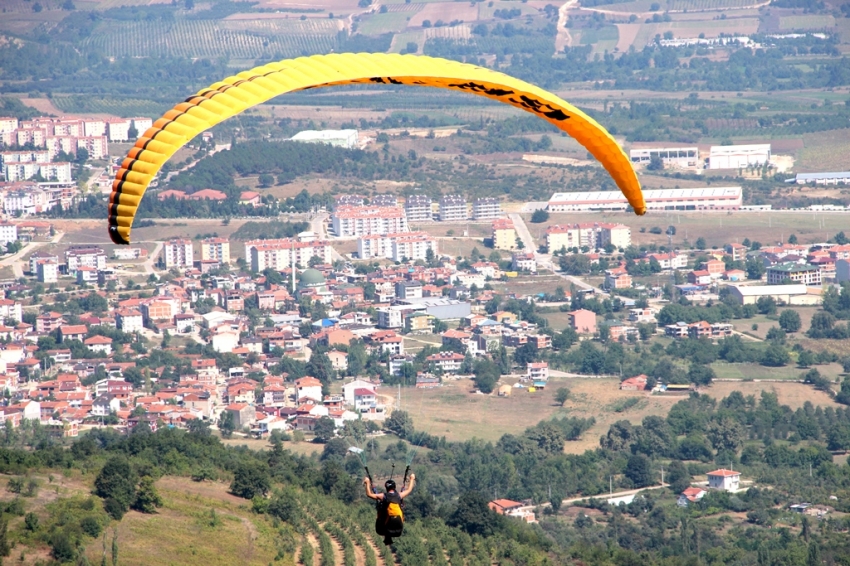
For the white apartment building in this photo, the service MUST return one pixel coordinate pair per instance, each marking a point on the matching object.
(486, 208)
(86, 256)
(397, 247)
(118, 130)
(280, 254)
(593, 235)
(178, 253)
(418, 208)
(216, 249)
(27, 156)
(8, 124)
(31, 201)
(60, 172)
(351, 221)
(738, 156)
(47, 271)
(453, 208)
(8, 232)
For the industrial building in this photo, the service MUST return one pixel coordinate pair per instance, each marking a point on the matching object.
(783, 294)
(418, 208)
(453, 208)
(486, 208)
(439, 307)
(683, 157)
(821, 178)
(738, 156)
(708, 198)
(337, 138)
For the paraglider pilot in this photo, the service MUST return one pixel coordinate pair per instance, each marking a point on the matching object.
(390, 505)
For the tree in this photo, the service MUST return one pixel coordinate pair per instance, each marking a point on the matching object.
(473, 515)
(5, 548)
(806, 358)
(562, 395)
(266, 181)
(324, 429)
(251, 479)
(147, 497)
(655, 163)
(678, 477)
(775, 356)
(116, 483)
(639, 470)
(285, 507)
(725, 433)
(789, 321)
(755, 268)
(487, 375)
(653, 438)
(792, 239)
(700, 243)
(320, 367)
(539, 216)
(198, 427)
(226, 424)
(400, 423)
(701, 374)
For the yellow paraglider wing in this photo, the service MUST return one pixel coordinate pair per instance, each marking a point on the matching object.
(238, 93)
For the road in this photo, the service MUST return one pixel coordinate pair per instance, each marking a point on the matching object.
(318, 226)
(563, 37)
(601, 496)
(16, 260)
(148, 263)
(523, 232)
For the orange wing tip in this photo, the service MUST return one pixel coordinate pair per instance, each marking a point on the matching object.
(640, 211)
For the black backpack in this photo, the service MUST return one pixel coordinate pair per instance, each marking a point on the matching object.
(391, 514)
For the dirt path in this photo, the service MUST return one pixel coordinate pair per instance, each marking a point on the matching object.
(379, 557)
(313, 541)
(338, 555)
(252, 536)
(563, 37)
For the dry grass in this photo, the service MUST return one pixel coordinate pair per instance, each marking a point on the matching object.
(792, 394)
(181, 534)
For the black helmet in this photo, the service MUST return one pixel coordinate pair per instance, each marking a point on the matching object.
(390, 485)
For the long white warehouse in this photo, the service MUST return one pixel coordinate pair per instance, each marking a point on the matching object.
(709, 198)
(738, 156)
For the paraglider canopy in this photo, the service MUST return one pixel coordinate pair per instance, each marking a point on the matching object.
(240, 92)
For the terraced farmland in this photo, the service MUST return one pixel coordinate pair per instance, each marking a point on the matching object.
(205, 38)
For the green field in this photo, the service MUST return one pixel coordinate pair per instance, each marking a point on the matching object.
(376, 24)
(123, 107)
(643, 6)
(788, 23)
(825, 152)
(208, 38)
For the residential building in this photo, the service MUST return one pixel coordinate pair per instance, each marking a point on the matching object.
(524, 261)
(727, 480)
(802, 274)
(453, 208)
(85, 256)
(215, 249)
(47, 271)
(690, 495)
(8, 232)
(243, 414)
(308, 388)
(512, 509)
(446, 362)
(408, 289)
(418, 208)
(537, 371)
(409, 246)
(129, 320)
(583, 321)
(355, 221)
(504, 235)
(178, 253)
(636, 383)
(282, 253)
(486, 208)
(591, 235)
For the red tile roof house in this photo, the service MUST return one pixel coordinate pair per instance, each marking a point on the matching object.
(637, 383)
(73, 332)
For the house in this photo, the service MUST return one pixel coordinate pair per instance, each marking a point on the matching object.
(105, 405)
(243, 414)
(690, 495)
(512, 509)
(73, 332)
(364, 399)
(537, 371)
(349, 388)
(447, 362)
(727, 480)
(583, 321)
(129, 320)
(308, 388)
(102, 344)
(427, 381)
(636, 383)
(339, 360)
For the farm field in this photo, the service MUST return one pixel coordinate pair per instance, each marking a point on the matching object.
(792, 394)
(376, 24)
(693, 28)
(401, 40)
(113, 106)
(825, 153)
(643, 6)
(208, 38)
(755, 371)
(806, 22)
(446, 11)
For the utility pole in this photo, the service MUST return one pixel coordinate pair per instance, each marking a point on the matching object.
(662, 475)
(611, 485)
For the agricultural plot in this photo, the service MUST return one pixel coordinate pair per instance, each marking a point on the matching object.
(825, 152)
(789, 23)
(400, 41)
(121, 107)
(487, 10)
(206, 38)
(693, 28)
(446, 12)
(602, 39)
(643, 6)
(377, 24)
(462, 33)
(413, 7)
(26, 22)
